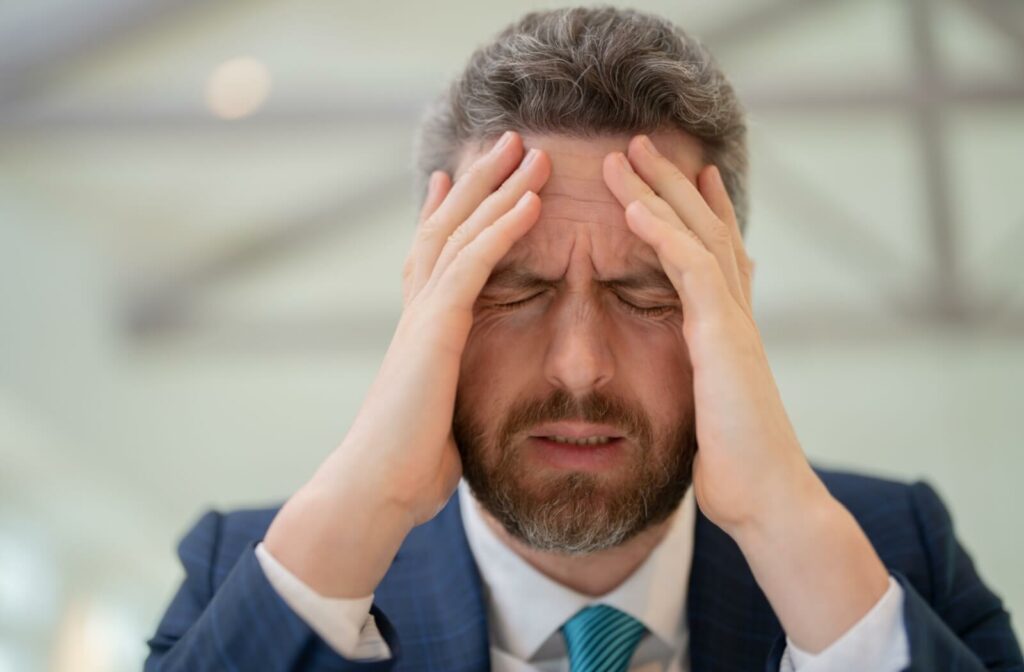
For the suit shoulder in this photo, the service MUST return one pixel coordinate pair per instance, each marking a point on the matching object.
(898, 517)
(870, 497)
(240, 526)
(846, 484)
(218, 538)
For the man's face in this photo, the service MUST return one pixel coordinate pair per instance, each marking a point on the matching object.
(581, 354)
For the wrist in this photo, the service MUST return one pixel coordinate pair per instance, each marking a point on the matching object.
(796, 500)
(815, 565)
(339, 541)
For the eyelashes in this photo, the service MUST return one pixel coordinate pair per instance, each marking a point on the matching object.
(654, 311)
(516, 304)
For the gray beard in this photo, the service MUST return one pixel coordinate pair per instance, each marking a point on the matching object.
(576, 513)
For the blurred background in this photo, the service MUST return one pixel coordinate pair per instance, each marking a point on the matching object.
(204, 208)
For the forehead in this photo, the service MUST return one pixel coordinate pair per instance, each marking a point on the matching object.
(578, 211)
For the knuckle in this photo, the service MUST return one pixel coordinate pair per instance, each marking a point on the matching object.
(692, 235)
(462, 263)
(430, 225)
(705, 259)
(458, 236)
(719, 233)
(676, 179)
(477, 170)
(504, 193)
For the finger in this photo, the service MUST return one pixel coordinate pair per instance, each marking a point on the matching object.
(531, 175)
(482, 177)
(437, 188)
(628, 186)
(465, 277)
(690, 266)
(688, 204)
(712, 187)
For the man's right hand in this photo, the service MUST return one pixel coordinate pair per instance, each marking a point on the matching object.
(398, 465)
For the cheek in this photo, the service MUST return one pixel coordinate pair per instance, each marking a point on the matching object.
(492, 356)
(657, 367)
(657, 342)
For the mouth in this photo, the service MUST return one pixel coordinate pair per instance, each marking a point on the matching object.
(578, 446)
(582, 441)
(576, 432)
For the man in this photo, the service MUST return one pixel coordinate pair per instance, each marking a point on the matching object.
(577, 346)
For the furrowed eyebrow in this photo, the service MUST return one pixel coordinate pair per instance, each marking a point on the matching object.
(649, 278)
(514, 278)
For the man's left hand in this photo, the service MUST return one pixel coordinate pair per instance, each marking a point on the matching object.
(749, 463)
(750, 475)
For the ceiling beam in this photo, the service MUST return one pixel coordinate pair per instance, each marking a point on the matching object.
(164, 302)
(1001, 19)
(762, 98)
(831, 228)
(371, 331)
(945, 282)
(31, 55)
(759, 21)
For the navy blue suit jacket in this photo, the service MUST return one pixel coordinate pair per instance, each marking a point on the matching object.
(430, 608)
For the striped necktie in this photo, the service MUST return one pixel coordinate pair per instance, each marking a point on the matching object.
(601, 639)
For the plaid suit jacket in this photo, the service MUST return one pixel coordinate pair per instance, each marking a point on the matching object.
(431, 612)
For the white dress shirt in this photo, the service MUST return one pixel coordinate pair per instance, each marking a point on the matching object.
(526, 609)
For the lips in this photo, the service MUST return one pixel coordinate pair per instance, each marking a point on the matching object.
(573, 432)
(589, 441)
(577, 434)
(579, 457)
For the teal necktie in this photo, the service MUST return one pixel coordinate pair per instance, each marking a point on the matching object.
(601, 639)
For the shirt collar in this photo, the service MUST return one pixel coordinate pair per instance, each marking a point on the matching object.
(526, 608)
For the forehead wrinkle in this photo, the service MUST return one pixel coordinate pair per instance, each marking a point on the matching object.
(572, 197)
(566, 207)
(645, 259)
(581, 200)
(559, 182)
(588, 222)
(591, 177)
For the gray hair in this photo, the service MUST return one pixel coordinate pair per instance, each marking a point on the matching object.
(582, 72)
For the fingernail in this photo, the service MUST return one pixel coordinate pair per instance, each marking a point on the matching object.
(649, 146)
(530, 156)
(624, 162)
(716, 177)
(502, 142)
(637, 206)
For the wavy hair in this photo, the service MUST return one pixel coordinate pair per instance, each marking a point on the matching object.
(587, 71)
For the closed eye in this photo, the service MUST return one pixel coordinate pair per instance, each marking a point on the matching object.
(515, 304)
(652, 311)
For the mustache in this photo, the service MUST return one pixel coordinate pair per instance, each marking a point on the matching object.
(595, 407)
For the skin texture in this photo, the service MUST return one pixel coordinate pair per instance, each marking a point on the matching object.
(399, 463)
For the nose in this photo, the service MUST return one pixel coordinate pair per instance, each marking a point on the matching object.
(579, 357)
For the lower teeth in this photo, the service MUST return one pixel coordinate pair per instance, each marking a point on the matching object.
(581, 443)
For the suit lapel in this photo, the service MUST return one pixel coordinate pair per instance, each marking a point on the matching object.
(432, 595)
(731, 624)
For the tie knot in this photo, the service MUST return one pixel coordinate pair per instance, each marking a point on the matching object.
(601, 638)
